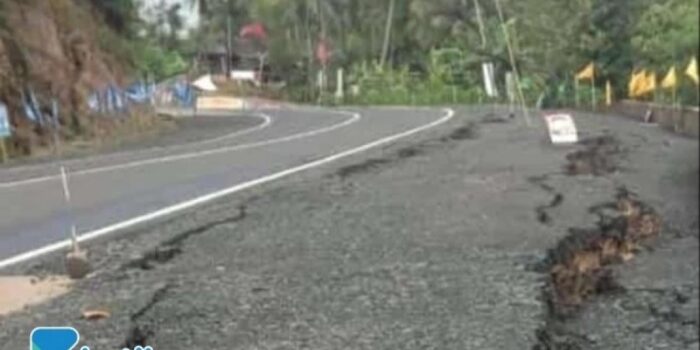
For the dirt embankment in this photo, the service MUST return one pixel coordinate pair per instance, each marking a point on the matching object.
(53, 47)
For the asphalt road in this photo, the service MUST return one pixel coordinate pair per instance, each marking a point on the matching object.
(114, 191)
(427, 242)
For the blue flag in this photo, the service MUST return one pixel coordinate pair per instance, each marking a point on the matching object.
(183, 93)
(30, 111)
(93, 102)
(54, 113)
(117, 99)
(35, 106)
(108, 101)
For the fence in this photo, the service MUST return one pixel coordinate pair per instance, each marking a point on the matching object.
(684, 120)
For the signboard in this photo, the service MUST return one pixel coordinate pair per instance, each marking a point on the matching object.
(245, 75)
(561, 128)
(489, 80)
(5, 128)
(219, 102)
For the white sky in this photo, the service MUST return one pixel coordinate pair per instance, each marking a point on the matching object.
(189, 13)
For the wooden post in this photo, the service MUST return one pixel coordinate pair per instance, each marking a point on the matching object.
(3, 150)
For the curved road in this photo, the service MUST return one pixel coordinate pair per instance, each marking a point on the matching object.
(114, 192)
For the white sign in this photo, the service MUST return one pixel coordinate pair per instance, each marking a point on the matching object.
(5, 129)
(489, 80)
(205, 83)
(561, 128)
(247, 75)
(219, 103)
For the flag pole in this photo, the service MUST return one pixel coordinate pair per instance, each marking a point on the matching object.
(675, 110)
(593, 92)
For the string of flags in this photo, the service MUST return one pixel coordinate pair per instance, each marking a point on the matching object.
(643, 82)
(111, 100)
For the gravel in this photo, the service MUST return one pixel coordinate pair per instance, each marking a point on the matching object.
(426, 244)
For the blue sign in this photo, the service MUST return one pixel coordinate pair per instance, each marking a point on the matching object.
(5, 128)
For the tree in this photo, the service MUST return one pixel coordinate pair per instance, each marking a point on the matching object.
(667, 32)
(175, 24)
(118, 14)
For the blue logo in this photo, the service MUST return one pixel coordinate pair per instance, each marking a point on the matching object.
(60, 338)
(54, 338)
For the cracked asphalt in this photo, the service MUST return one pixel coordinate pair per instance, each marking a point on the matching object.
(424, 244)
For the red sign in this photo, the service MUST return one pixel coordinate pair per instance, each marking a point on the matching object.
(254, 30)
(323, 54)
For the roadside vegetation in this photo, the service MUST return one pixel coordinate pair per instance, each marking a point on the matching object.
(427, 51)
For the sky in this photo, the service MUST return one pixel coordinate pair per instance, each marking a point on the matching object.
(189, 13)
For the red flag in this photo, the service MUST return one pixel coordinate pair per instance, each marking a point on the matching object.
(254, 30)
(323, 54)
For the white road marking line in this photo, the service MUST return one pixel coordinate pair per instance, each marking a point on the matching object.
(449, 113)
(355, 118)
(267, 121)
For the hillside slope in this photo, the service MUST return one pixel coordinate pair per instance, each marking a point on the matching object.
(54, 47)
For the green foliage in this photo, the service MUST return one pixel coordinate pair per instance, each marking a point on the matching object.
(118, 14)
(442, 83)
(667, 32)
(142, 56)
(159, 62)
(551, 39)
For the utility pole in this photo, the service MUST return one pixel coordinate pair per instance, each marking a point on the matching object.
(387, 33)
(516, 75)
(480, 21)
(229, 49)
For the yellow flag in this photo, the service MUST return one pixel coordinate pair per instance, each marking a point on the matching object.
(636, 83)
(586, 73)
(648, 84)
(608, 93)
(670, 81)
(652, 81)
(692, 70)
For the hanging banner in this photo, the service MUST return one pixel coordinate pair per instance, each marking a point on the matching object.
(5, 128)
(489, 79)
